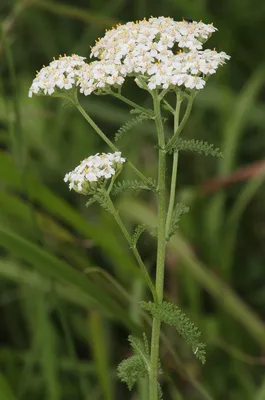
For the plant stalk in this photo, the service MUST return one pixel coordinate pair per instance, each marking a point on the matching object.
(161, 248)
(181, 125)
(131, 103)
(134, 249)
(174, 168)
(106, 139)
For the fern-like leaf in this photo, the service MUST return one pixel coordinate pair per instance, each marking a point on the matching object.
(146, 344)
(90, 202)
(197, 146)
(133, 186)
(148, 112)
(137, 233)
(131, 124)
(101, 197)
(179, 210)
(139, 348)
(160, 394)
(132, 369)
(136, 366)
(170, 314)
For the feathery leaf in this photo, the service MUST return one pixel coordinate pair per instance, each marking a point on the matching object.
(139, 349)
(102, 198)
(198, 146)
(137, 233)
(136, 366)
(170, 314)
(131, 369)
(133, 186)
(90, 202)
(179, 210)
(131, 124)
(160, 394)
(146, 344)
(148, 112)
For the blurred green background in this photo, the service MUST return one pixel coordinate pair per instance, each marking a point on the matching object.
(69, 286)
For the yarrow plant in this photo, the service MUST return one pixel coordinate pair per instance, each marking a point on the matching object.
(162, 56)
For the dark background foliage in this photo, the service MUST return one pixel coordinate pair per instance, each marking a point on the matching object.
(69, 286)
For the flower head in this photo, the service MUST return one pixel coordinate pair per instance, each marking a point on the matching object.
(94, 171)
(162, 32)
(60, 74)
(164, 53)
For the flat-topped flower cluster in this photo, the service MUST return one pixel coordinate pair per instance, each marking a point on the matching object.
(94, 171)
(159, 53)
(60, 74)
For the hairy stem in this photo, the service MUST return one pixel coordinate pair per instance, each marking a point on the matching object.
(174, 168)
(134, 249)
(106, 139)
(161, 245)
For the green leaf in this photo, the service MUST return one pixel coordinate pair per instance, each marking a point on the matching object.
(140, 348)
(102, 198)
(132, 369)
(179, 210)
(170, 314)
(133, 186)
(197, 146)
(136, 366)
(129, 125)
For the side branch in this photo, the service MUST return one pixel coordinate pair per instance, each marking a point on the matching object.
(133, 247)
(171, 142)
(106, 139)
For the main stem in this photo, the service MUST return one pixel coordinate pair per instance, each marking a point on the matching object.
(161, 248)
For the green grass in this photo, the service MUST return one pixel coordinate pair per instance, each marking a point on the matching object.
(69, 287)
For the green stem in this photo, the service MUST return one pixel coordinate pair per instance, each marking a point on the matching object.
(106, 140)
(161, 248)
(174, 168)
(134, 249)
(181, 125)
(131, 103)
(169, 107)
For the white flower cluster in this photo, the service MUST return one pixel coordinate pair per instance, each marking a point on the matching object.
(158, 34)
(163, 52)
(94, 171)
(60, 74)
(160, 53)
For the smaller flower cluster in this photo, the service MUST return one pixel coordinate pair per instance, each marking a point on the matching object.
(94, 171)
(60, 74)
